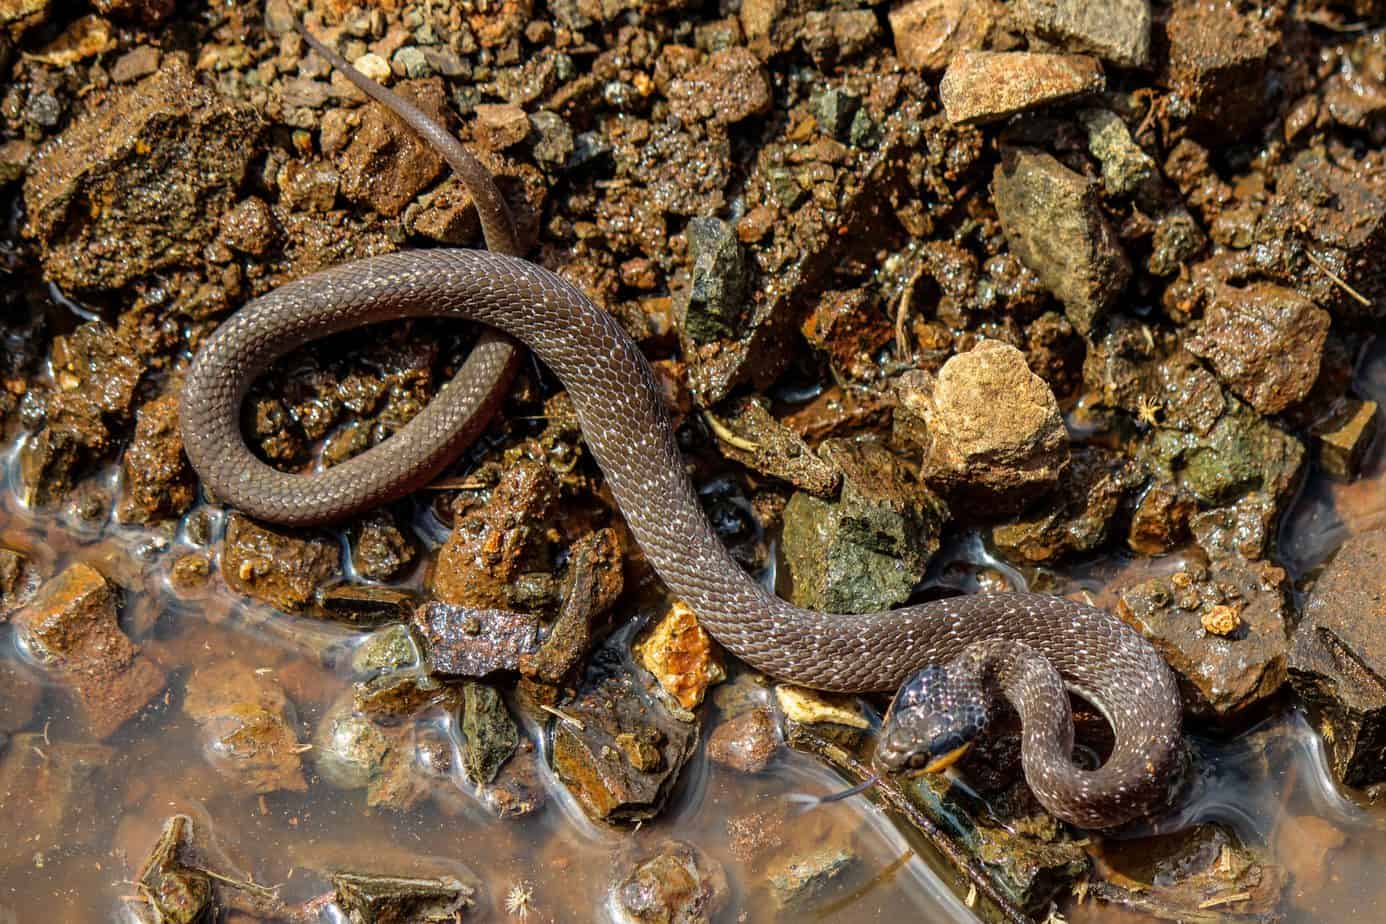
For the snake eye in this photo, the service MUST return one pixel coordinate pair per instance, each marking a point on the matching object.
(917, 760)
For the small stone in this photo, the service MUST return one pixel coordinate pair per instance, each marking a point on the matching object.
(386, 166)
(1243, 529)
(375, 67)
(679, 884)
(1218, 58)
(1243, 452)
(987, 86)
(412, 62)
(19, 579)
(1265, 342)
(711, 306)
(1221, 620)
(489, 732)
(1054, 222)
(158, 482)
(279, 567)
(835, 717)
(243, 716)
(745, 743)
(834, 36)
(764, 444)
(468, 642)
(803, 879)
(500, 125)
(552, 138)
(1080, 516)
(249, 227)
(835, 109)
(1344, 439)
(389, 649)
(928, 33)
(731, 86)
(379, 550)
(374, 899)
(1115, 30)
(1160, 522)
(308, 187)
(1125, 166)
(136, 63)
(850, 328)
(680, 654)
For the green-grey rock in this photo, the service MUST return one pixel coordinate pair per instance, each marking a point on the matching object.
(1243, 452)
(711, 307)
(489, 731)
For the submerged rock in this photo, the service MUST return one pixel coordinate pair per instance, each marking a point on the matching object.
(247, 732)
(679, 884)
(177, 892)
(280, 567)
(987, 86)
(800, 881)
(366, 898)
(19, 579)
(47, 786)
(489, 732)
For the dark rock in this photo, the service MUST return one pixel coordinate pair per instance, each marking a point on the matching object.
(1118, 32)
(1338, 659)
(1054, 222)
(730, 86)
(851, 328)
(1160, 522)
(1125, 167)
(711, 306)
(834, 36)
(1344, 439)
(799, 882)
(303, 187)
(552, 139)
(394, 696)
(594, 582)
(386, 165)
(246, 731)
(1245, 528)
(519, 789)
(489, 732)
(379, 550)
(176, 891)
(158, 481)
(20, 692)
(138, 186)
(868, 549)
(19, 579)
(987, 86)
(1241, 453)
(746, 742)
(374, 899)
(1221, 678)
(764, 444)
(148, 12)
(679, 884)
(367, 604)
(1079, 518)
(1265, 342)
(996, 441)
(612, 782)
(463, 641)
(1217, 66)
(1128, 370)
(279, 567)
(249, 227)
(928, 33)
(71, 627)
(48, 462)
(835, 109)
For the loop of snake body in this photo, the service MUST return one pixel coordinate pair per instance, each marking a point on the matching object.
(972, 647)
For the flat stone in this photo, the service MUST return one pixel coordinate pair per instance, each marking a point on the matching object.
(928, 33)
(464, 641)
(1115, 30)
(1054, 222)
(1344, 439)
(1125, 165)
(800, 880)
(489, 732)
(987, 86)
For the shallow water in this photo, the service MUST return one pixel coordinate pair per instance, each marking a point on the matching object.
(1258, 786)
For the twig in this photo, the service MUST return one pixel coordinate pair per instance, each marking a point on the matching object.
(725, 434)
(1362, 299)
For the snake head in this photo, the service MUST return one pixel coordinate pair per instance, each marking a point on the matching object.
(932, 722)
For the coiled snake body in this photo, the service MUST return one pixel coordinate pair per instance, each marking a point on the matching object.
(1004, 643)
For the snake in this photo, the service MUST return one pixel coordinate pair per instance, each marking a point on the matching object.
(949, 661)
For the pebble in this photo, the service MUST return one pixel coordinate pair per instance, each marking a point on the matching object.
(987, 86)
(1117, 31)
(374, 67)
(928, 33)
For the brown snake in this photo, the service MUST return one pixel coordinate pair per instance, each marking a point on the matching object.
(973, 647)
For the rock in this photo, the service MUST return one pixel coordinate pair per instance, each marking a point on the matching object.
(1344, 439)
(374, 899)
(18, 16)
(176, 893)
(619, 751)
(489, 732)
(799, 882)
(392, 697)
(1223, 675)
(746, 742)
(996, 440)
(552, 139)
(929, 33)
(987, 86)
(19, 579)
(1241, 453)
(148, 12)
(679, 884)
(387, 164)
(367, 605)
(835, 109)
(352, 752)
(680, 655)
(1265, 342)
(158, 481)
(832, 37)
(490, 547)
(594, 581)
(246, 731)
(712, 305)
(249, 226)
(866, 550)
(20, 693)
(379, 550)
(729, 87)
(139, 185)
(1118, 32)
(72, 628)
(279, 567)
(463, 641)
(500, 125)
(1078, 519)
(1160, 522)
(1338, 659)
(389, 649)
(1053, 221)
(833, 717)
(1218, 61)
(48, 786)
(519, 789)
(764, 444)
(136, 63)
(850, 327)
(1245, 528)
(1125, 166)
(306, 186)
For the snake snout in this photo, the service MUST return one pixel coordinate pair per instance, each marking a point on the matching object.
(933, 720)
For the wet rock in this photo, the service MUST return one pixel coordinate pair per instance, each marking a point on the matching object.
(1227, 674)
(1244, 528)
(1054, 222)
(176, 893)
(249, 227)
(619, 751)
(367, 605)
(835, 718)
(18, 16)
(387, 165)
(71, 627)
(352, 752)
(1118, 32)
(679, 884)
(711, 306)
(1308, 843)
(987, 86)
(136, 63)
(834, 36)
(379, 549)
(594, 581)
(730, 86)
(681, 656)
(1079, 518)
(20, 692)
(764, 444)
(158, 481)
(1333, 214)
(389, 649)
(1160, 522)
(148, 12)
(996, 441)
(19, 578)
(519, 789)
(489, 732)
(1344, 439)
(490, 547)
(746, 743)
(462, 641)
(47, 786)
(929, 33)
(1217, 65)
(394, 696)
(373, 899)
(247, 733)
(1129, 370)
(303, 187)
(276, 566)
(1125, 166)
(801, 881)
(1241, 453)
(1265, 342)
(850, 327)
(1338, 659)
(866, 550)
(138, 186)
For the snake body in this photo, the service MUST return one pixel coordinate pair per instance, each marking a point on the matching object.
(629, 433)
